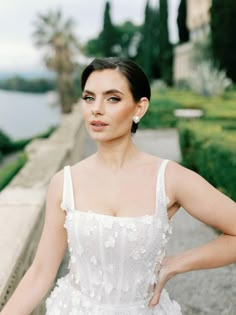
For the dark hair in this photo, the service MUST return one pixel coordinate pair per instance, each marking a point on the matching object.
(137, 80)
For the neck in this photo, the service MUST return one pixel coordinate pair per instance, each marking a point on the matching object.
(116, 154)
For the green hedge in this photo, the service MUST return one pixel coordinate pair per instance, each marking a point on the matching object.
(208, 144)
(160, 114)
(7, 145)
(163, 103)
(8, 171)
(5, 141)
(210, 150)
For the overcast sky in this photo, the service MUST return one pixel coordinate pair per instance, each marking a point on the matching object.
(17, 51)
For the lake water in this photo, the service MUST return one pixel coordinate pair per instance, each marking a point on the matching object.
(23, 115)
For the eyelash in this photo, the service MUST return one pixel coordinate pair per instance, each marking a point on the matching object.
(114, 99)
(87, 98)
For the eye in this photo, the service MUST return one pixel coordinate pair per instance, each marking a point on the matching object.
(114, 99)
(88, 98)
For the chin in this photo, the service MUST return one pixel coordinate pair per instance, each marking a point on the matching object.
(101, 138)
(98, 136)
(105, 137)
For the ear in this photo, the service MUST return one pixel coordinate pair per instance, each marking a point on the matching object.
(142, 107)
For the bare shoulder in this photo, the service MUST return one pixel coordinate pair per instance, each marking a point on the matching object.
(55, 187)
(180, 178)
(83, 165)
(58, 178)
(176, 171)
(200, 198)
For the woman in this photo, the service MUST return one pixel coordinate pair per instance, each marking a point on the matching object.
(118, 207)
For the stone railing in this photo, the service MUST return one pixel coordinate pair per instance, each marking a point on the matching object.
(22, 202)
(188, 113)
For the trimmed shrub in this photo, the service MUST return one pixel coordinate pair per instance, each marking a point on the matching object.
(16, 145)
(163, 103)
(207, 80)
(210, 150)
(5, 141)
(8, 171)
(160, 114)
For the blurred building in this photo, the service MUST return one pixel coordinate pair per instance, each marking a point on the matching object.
(198, 22)
(198, 18)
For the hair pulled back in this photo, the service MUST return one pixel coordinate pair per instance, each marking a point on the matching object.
(136, 78)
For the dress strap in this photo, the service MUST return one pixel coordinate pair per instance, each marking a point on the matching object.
(68, 196)
(161, 197)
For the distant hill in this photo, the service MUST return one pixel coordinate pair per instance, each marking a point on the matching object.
(23, 84)
(35, 74)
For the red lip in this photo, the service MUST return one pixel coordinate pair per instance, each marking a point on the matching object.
(98, 123)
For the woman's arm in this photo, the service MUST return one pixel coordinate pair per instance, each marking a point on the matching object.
(51, 249)
(207, 204)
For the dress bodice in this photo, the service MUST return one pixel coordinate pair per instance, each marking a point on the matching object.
(114, 261)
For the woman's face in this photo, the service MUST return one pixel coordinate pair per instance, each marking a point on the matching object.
(108, 105)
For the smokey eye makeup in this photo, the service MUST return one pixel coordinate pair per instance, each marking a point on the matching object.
(87, 98)
(114, 99)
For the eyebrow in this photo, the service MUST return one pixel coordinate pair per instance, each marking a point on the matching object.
(104, 93)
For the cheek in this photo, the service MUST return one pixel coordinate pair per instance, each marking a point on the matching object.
(85, 111)
(124, 115)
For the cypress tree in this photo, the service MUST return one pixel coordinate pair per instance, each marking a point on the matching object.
(108, 35)
(128, 34)
(148, 52)
(223, 25)
(182, 22)
(147, 41)
(166, 49)
(144, 50)
(155, 47)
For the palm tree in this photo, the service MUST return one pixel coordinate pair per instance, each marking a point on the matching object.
(57, 36)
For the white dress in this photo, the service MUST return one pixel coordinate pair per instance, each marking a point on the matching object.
(114, 261)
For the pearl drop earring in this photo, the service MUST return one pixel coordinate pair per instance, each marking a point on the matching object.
(136, 119)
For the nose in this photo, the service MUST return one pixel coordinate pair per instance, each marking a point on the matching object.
(98, 107)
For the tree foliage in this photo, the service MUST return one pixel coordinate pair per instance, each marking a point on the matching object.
(93, 47)
(149, 49)
(145, 48)
(155, 37)
(223, 25)
(126, 45)
(108, 36)
(182, 22)
(147, 44)
(166, 49)
(128, 39)
(56, 35)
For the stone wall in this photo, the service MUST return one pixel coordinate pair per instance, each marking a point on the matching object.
(182, 61)
(198, 19)
(22, 202)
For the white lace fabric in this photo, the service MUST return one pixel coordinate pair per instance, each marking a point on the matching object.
(114, 261)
